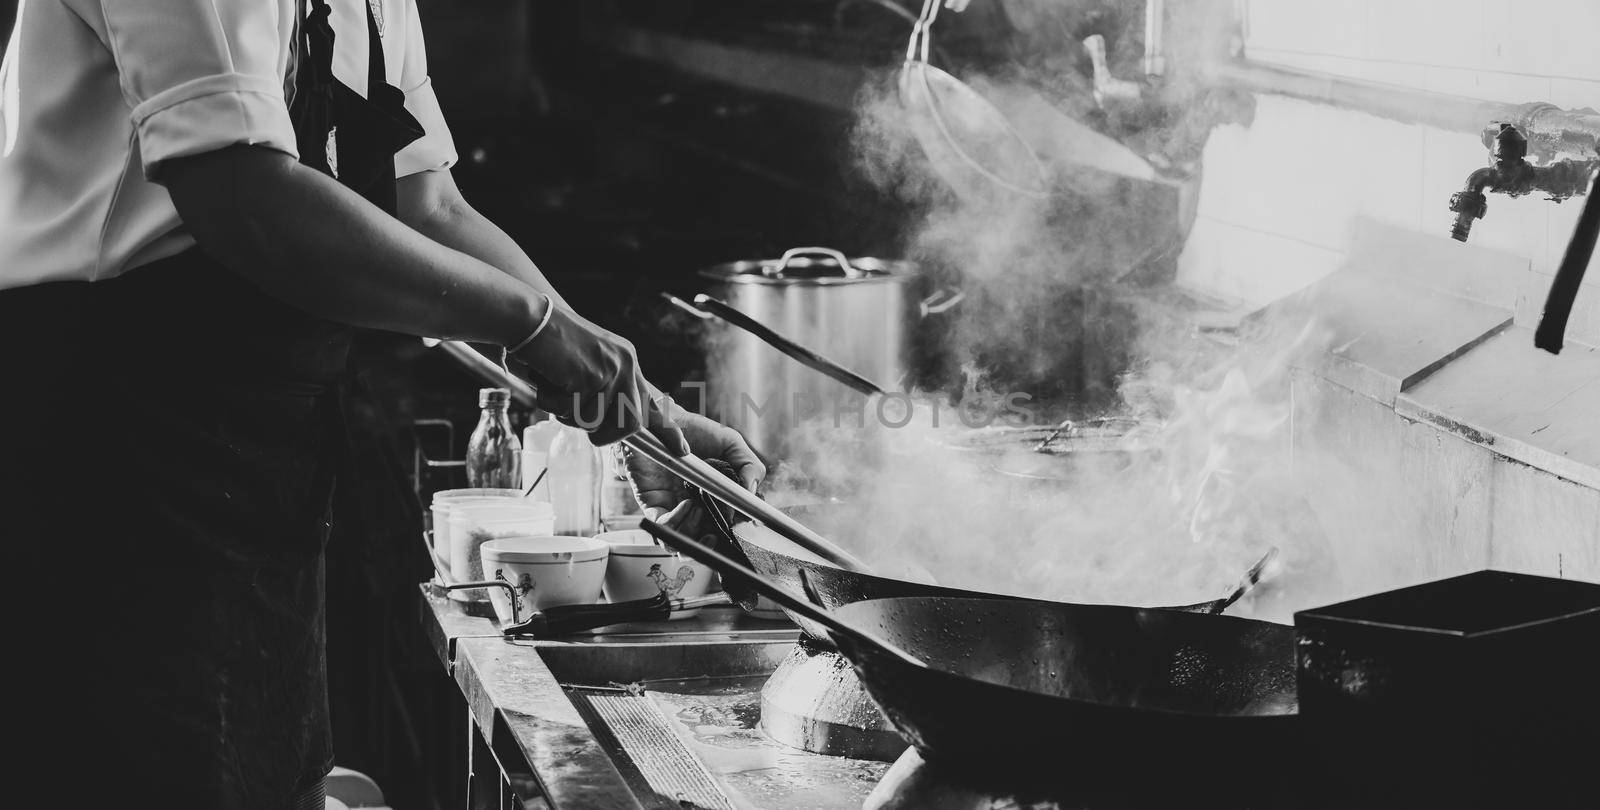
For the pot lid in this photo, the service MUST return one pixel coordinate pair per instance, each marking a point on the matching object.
(811, 265)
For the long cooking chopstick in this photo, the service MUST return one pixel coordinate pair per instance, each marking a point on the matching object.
(695, 470)
(690, 468)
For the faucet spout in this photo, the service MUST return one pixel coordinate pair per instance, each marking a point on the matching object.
(1512, 175)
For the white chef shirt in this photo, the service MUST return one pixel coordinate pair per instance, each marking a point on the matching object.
(94, 94)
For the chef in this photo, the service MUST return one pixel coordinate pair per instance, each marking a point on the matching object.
(199, 199)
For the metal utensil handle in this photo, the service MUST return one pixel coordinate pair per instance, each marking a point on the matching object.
(694, 470)
(921, 32)
(564, 620)
(440, 567)
(1251, 577)
(804, 356)
(940, 301)
(849, 270)
(766, 587)
(511, 592)
(686, 306)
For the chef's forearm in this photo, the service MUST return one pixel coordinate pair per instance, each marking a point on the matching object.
(431, 203)
(309, 241)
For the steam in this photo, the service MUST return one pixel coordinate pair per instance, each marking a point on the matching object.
(1223, 466)
(1175, 517)
(1187, 504)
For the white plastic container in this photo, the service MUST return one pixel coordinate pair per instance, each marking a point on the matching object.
(440, 508)
(536, 439)
(547, 571)
(474, 523)
(640, 569)
(575, 483)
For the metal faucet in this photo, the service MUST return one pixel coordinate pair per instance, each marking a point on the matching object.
(1512, 175)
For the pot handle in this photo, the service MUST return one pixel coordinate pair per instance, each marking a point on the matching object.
(791, 254)
(940, 301)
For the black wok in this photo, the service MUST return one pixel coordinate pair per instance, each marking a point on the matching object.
(1095, 686)
(1093, 694)
(784, 562)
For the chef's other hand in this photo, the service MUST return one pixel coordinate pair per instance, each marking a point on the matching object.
(659, 491)
(590, 378)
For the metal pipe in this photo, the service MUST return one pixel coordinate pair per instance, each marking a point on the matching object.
(1155, 61)
(1512, 175)
(1551, 129)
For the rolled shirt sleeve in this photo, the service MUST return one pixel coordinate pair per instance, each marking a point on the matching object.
(435, 149)
(200, 75)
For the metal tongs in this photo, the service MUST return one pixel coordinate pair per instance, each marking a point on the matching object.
(691, 468)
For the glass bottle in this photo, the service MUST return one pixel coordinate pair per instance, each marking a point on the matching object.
(493, 452)
(619, 509)
(575, 483)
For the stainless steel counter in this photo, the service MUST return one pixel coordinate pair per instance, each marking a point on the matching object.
(647, 715)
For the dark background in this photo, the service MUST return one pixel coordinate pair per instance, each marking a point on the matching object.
(625, 144)
(621, 177)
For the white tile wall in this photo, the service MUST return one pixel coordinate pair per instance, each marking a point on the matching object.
(1281, 198)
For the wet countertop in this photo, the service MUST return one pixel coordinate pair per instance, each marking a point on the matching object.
(1462, 366)
(1385, 336)
(1521, 402)
(529, 719)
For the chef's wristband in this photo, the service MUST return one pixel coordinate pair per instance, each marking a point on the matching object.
(549, 310)
(506, 353)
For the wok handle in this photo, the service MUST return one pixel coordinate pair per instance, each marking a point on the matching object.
(766, 587)
(568, 619)
(804, 356)
(696, 471)
(1251, 577)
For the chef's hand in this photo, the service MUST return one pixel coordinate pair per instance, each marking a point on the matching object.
(590, 377)
(663, 496)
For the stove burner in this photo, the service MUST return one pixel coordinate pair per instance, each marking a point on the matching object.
(814, 702)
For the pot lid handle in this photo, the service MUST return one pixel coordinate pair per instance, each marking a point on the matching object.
(849, 270)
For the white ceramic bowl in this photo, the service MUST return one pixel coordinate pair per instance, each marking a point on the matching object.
(445, 498)
(640, 569)
(473, 523)
(547, 570)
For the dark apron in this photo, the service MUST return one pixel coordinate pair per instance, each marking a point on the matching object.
(172, 440)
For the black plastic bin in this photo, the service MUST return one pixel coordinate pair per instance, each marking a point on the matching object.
(1481, 690)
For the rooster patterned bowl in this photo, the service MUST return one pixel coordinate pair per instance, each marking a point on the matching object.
(640, 569)
(546, 571)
